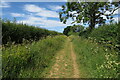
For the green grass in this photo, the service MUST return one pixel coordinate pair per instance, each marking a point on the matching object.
(30, 60)
(63, 64)
(95, 61)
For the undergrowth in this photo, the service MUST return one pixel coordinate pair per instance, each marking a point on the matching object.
(107, 35)
(30, 60)
(95, 61)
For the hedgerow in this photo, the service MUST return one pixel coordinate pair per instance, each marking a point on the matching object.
(14, 32)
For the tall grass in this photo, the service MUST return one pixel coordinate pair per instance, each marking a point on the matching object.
(95, 61)
(30, 60)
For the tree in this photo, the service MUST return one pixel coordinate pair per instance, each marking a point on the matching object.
(88, 12)
(73, 29)
(66, 30)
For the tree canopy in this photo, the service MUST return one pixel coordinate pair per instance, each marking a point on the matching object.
(90, 13)
(73, 30)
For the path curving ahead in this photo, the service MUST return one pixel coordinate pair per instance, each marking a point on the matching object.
(65, 65)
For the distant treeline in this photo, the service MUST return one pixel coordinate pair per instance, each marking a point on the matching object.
(14, 32)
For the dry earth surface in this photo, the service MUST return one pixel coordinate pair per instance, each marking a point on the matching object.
(65, 65)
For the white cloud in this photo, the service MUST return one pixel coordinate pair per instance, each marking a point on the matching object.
(107, 12)
(4, 4)
(104, 17)
(40, 17)
(117, 11)
(32, 8)
(54, 7)
(40, 11)
(116, 19)
(43, 22)
(32, 21)
(17, 15)
(48, 13)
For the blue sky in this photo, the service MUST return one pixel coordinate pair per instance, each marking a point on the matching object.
(40, 14)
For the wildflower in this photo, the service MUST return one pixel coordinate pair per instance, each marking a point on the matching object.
(117, 64)
(26, 47)
(101, 66)
(101, 75)
(107, 57)
(114, 69)
(106, 50)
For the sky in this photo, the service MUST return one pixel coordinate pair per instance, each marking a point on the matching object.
(39, 14)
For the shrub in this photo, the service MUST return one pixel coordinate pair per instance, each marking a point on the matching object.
(109, 35)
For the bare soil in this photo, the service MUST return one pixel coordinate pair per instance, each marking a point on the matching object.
(65, 65)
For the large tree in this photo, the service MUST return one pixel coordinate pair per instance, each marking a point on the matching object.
(91, 13)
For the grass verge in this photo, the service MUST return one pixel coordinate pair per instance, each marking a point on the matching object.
(95, 61)
(30, 60)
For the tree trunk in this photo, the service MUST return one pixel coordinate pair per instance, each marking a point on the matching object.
(92, 25)
(92, 22)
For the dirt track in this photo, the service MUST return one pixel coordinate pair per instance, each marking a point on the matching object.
(65, 65)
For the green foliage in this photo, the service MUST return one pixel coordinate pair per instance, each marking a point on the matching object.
(66, 30)
(88, 12)
(13, 32)
(95, 61)
(85, 33)
(118, 33)
(73, 30)
(29, 61)
(109, 35)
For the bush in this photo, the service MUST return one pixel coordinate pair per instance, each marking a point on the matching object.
(109, 35)
(85, 33)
